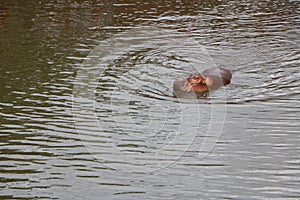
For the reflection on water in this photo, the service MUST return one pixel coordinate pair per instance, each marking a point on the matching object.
(87, 105)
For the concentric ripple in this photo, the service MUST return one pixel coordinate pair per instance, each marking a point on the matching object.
(123, 106)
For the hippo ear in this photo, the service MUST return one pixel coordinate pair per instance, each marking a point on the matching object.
(223, 74)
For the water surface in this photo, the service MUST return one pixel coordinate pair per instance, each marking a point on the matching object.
(87, 109)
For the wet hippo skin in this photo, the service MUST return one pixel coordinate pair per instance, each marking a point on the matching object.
(198, 85)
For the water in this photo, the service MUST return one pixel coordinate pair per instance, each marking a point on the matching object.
(87, 110)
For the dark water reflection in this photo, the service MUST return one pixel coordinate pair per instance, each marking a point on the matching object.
(87, 108)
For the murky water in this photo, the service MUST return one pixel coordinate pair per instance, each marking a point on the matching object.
(87, 110)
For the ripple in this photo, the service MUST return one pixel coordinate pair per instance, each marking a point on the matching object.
(135, 101)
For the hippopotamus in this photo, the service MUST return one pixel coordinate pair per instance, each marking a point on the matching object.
(199, 85)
